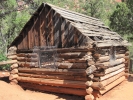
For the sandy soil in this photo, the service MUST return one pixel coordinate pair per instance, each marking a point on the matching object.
(124, 91)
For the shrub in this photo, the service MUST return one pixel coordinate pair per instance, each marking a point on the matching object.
(4, 67)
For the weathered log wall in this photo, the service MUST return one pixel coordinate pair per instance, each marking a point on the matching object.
(78, 71)
(110, 72)
(73, 70)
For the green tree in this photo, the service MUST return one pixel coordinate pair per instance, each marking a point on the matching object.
(122, 23)
(101, 9)
(120, 19)
(11, 22)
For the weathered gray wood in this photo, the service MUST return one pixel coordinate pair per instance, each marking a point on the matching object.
(100, 85)
(33, 59)
(112, 69)
(112, 63)
(108, 70)
(12, 57)
(111, 74)
(113, 84)
(53, 71)
(12, 50)
(27, 55)
(107, 58)
(72, 65)
(90, 69)
(73, 55)
(28, 64)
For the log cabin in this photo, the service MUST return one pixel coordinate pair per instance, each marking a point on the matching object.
(63, 51)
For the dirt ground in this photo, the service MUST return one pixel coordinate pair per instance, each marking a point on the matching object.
(124, 91)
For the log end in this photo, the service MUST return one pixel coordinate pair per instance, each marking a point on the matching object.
(89, 97)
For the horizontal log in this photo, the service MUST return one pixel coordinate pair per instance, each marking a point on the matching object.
(8, 62)
(61, 77)
(54, 71)
(73, 55)
(13, 57)
(76, 60)
(4, 74)
(108, 70)
(112, 63)
(80, 92)
(107, 58)
(53, 82)
(102, 84)
(113, 84)
(58, 50)
(111, 79)
(28, 64)
(99, 74)
(112, 69)
(109, 44)
(66, 50)
(27, 59)
(89, 61)
(111, 74)
(27, 55)
(72, 65)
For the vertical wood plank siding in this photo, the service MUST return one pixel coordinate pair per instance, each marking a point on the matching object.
(48, 28)
(42, 28)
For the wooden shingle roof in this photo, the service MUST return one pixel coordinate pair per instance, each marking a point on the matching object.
(93, 28)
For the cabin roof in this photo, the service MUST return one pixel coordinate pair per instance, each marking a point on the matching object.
(90, 27)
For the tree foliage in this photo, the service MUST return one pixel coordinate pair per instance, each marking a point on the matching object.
(119, 19)
(122, 21)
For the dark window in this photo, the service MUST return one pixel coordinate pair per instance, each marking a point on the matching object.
(112, 53)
